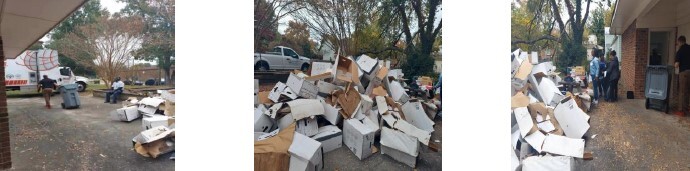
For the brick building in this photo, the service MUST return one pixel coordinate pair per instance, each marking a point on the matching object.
(644, 26)
(143, 74)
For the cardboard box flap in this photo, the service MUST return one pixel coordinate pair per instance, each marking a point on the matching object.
(571, 118)
(415, 115)
(320, 68)
(349, 100)
(382, 73)
(381, 104)
(152, 101)
(522, 73)
(536, 140)
(519, 100)
(379, 91)
(399, 141)
(303, 108)
(274, 150)
(561, 145)
(331, 113)
(273, 110)
(524, 120)
(326, 132)
(322, 76)
(366, 63)
(397, 91)
(153, 134)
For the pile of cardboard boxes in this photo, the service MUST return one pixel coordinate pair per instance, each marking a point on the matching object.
(350, 102)
(158, 123)
(548, 125)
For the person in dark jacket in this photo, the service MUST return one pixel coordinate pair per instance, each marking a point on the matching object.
(603, 84)
(682, 63)
(614, 73)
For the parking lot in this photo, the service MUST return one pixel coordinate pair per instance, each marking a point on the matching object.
(77, 139)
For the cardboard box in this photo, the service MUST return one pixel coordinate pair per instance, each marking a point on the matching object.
(514, 161)
(285, 121)
(302, 87)
(303, 108)
(407, 128)
(381, 74)
(307, 126)
(515, 63)
(346, 72)
(366, 103)
(263, 97)
(366, 63)
(281, 90)
(330, 136)
(396, 74)
(153, 134)
(127, 113)
(534, 58)
(155, 148)
(519, 100)
(358, 137)
(520, 78)
(379, 91)
(320, 68)
(550, 93)
(536, 140)
(155, 121)
(170, 107)
(415, 115)
(262, 122)
(561, 145)
(381, 104)
(150, 105)
(571, 118)
(274, 150)
(331, 114)
(305, 153)
(171, 121)
(325, 88)
(397, 92)
(547, 162)
(399, 146)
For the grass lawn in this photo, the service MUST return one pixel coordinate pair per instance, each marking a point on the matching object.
(103, 86)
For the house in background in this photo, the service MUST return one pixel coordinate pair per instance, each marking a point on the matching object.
(642, 26)
(612, 42)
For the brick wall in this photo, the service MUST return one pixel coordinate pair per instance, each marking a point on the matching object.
(635, 44)
(5, 157)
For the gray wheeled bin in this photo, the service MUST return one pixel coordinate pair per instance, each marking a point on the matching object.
(70, 96)
(657, 87)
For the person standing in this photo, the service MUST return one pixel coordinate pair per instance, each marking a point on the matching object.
(614, 74)
(47, 85)
(115, 91)
(602, 83)
(594, 74)
(682, 63)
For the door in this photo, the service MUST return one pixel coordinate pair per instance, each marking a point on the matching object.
(65, 76)
(660, 48)
(275, 58)
(292, 59)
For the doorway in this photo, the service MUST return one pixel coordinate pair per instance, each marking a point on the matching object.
(659, 48)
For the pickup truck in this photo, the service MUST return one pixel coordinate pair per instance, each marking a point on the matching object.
(280, 58)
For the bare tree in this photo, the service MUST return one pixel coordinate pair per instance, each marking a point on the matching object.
(267, 13)
(106, 45)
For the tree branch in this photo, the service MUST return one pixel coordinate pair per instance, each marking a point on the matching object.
(531, 42)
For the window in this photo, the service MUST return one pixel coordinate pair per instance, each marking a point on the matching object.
(65, 71)
(276, 50)
(289, 52)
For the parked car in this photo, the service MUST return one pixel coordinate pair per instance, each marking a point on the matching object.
(137, 82)
(150, 82)
(280, 58)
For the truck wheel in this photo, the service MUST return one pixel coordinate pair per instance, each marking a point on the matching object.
(81, 86)
(305, 67)
(261, 66)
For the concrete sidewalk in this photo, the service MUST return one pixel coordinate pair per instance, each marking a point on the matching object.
(77, 139)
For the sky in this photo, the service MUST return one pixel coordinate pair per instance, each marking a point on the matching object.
(112, 6)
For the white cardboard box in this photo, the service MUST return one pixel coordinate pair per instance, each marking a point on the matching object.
(399, 146)
(262, 122)
(539, 163)
(285, 121)
(155, 121)
(307, 126)
(127, 113)
(153, 134)
(398, 92)
(280, 89)
(149, 105)
(534, 58)
(407, 128)
(358, 137)
(366, 103)
(381, 104)
(572, 119)
(330, 136)
(305, 154)
(303, 108)
(325, 87)
(536, 140)
(301, 87)
(561, 145)
(415, 115)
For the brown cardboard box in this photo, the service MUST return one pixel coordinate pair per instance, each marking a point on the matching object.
(272, 153)
(349, 100)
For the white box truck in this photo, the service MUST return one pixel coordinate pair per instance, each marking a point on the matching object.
(21, 74)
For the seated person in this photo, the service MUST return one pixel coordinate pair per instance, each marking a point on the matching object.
(115, 91)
